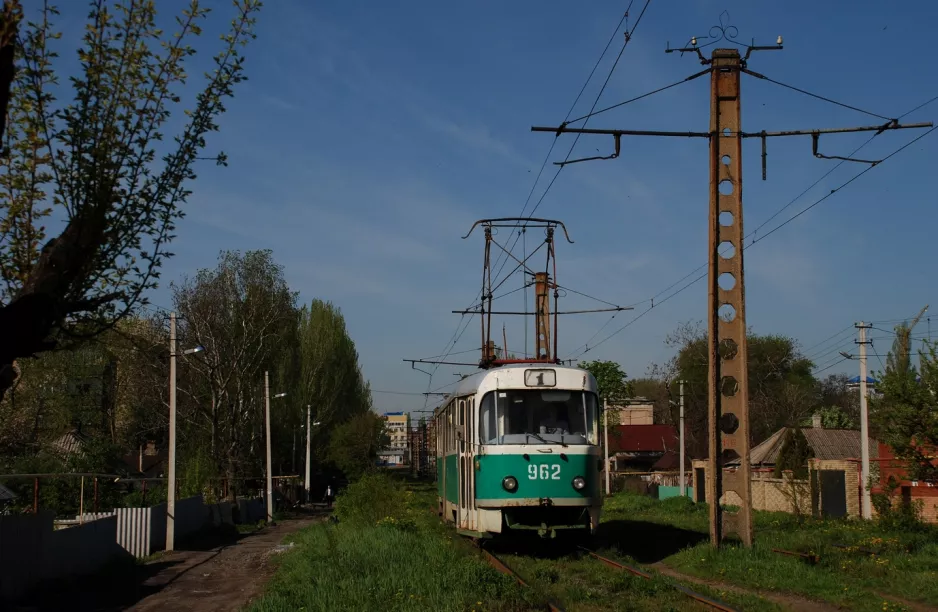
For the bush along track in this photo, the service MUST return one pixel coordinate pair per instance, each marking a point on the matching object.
(386, 552)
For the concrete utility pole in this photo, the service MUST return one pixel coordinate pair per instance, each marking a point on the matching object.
(270, 479)
(681, 433)
(309, 432)
(866, 509)
(606, 444)
(728, 385)
(171, 482)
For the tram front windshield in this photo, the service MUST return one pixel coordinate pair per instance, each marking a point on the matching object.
(528, 416)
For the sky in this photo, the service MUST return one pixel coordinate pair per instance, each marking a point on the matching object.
(371, 135)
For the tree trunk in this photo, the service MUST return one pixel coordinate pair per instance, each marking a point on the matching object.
(9, 26)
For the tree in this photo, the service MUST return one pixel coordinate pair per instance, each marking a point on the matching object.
(330, 377)
(93, 161)
(833, 417)
(10, 17)
(794, 454)
(792, 468)
(906, 418)
(355, 444)
(241, 313)
(611, 380)
(833, 394)
(781, 387)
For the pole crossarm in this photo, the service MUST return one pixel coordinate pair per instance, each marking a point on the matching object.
(430, 361)
(567, 312)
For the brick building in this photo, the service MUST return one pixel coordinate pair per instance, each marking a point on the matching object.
(907, 491)
(833, 487)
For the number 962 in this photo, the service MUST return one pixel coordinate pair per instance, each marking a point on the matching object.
(544, 472)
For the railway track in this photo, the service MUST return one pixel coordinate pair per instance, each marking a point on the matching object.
(556, 607)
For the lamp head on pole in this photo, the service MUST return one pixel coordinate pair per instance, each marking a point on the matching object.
(197, 349)
(280, 395)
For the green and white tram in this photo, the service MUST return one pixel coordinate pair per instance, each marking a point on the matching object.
(517, 449)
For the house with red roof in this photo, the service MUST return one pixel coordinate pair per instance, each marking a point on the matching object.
(636, 448)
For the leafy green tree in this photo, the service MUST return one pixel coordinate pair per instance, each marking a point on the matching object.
(241, 313)
(100, 162)
(781, 386)
(355, 444)
(906, 418)
(833, 417)
(330, 380)
(612, 381)
(833, 393)
(794, 454)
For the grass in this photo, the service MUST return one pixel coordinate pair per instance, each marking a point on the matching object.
(585, 584)
(403, 561)
(675, 531)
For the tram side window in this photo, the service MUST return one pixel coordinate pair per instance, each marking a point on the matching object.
(488, 428)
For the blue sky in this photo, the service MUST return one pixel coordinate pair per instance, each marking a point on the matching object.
(372, 134)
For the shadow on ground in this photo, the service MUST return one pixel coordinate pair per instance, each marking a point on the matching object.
(125, 583)
(645, 542)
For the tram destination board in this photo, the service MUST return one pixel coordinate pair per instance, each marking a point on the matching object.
(540, 378)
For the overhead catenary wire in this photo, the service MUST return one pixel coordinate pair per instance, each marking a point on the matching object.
(628, 37)
(458, 334)
(749, 235)
(775, 229)
(817, 96)
(637, 98)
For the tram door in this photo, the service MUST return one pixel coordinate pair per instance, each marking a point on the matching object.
(464, 450)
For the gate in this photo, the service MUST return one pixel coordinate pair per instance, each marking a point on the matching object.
(833, 493)
(700, 485)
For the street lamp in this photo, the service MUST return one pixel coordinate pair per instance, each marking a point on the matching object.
(171, 484)
(270, 480)
(309, 429)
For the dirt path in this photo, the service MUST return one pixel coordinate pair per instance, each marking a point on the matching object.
(787, 601)
(221, 579)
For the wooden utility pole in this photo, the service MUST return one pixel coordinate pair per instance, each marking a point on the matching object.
(728, 405)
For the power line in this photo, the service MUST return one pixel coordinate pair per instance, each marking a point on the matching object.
(458, 334)
(922, 105)
(775, 229)
(628, 37)
(637, 98)
(830, 366)
(833, 191)
(751, 233)
(817, 96)
(813, 346)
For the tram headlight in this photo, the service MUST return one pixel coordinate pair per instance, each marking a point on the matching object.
(579, 483)
(510, 483)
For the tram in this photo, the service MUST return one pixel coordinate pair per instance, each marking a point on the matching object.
(517, 450)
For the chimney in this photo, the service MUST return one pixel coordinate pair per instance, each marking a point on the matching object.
(151, 448)
(816, 421)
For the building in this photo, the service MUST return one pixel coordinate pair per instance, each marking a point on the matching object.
(832, 488)
(636, 448)
(397, 426)
(638, 411)
(906, 491)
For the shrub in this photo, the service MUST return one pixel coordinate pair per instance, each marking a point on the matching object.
(374, 497)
